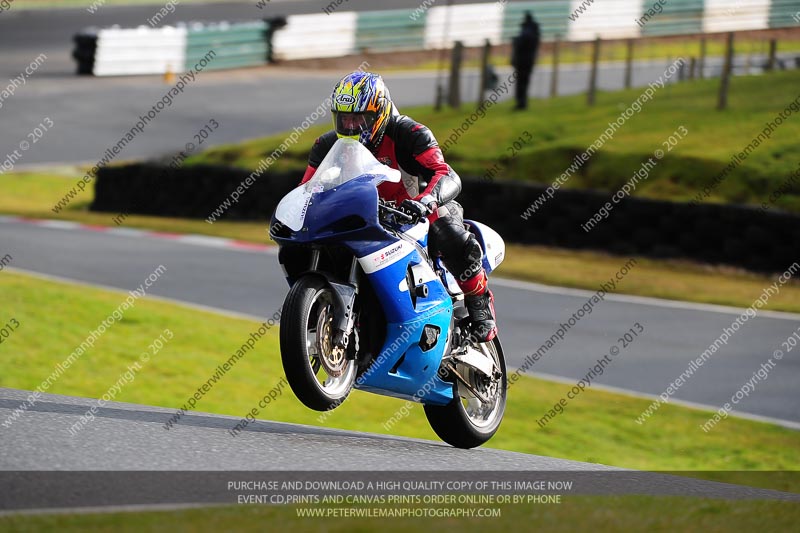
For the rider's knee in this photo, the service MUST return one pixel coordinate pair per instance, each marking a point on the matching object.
(472, 250)
(447, 237)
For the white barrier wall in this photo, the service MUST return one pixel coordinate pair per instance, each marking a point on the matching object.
(326, 36)
(471, 24)
(140, 50)
(607, 19)
(731, 15)
(322, 35)
(146, 50)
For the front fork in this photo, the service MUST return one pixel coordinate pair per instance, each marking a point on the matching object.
(344, 305)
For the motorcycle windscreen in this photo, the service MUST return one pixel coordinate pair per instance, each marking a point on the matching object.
(347, 160)
(291, 210)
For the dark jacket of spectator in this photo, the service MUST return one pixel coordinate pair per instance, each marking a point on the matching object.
(526, 45)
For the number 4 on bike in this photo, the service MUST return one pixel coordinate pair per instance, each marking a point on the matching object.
(370, 309)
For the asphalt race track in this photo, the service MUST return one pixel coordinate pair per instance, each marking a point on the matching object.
(126, 459)
(252, 283)
(247, 103)
(94, 467)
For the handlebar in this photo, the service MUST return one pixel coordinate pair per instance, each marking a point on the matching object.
(399, 213)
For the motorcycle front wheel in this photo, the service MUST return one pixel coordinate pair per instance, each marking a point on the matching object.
(318, 372)
(467, 421)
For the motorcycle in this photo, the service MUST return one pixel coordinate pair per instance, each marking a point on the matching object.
(369, 309)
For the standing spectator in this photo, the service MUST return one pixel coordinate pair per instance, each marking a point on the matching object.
(524, 48)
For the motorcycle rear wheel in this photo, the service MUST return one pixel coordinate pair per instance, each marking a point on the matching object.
(319, 374)
(467, 422)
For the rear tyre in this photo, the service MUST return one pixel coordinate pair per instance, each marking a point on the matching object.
(467, 422)
(320, 374)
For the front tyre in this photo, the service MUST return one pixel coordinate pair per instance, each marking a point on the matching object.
(319, 373)
(467, 422)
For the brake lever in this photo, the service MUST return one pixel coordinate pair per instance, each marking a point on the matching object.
(398, 212)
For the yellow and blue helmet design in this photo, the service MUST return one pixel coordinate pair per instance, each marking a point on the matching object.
(361, 107)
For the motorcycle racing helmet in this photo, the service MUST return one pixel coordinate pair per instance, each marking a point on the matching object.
(361, 107)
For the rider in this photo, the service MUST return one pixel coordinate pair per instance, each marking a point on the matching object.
(362, 109)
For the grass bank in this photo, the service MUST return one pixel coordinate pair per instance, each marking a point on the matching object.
(596, 427)
(576, 513)
(561, 128)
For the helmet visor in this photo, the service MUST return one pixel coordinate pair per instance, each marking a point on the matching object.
(352, 124)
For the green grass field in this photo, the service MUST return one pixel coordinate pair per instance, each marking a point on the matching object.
(645, 49)
(596, 427)
(670, 279)
(575, 513)
(564, 127)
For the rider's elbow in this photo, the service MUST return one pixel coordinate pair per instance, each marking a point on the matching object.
(449, 187)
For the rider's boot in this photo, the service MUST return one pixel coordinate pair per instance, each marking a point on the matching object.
(480, 304)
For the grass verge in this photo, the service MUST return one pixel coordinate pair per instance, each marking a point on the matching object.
(561, 128)
(619, 513)
(597, 427)
(32, 195)
(668, 279)
(648, 49)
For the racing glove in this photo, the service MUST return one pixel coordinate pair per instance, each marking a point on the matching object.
(415, 209)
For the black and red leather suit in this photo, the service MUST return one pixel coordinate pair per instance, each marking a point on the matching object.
(411, 148)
